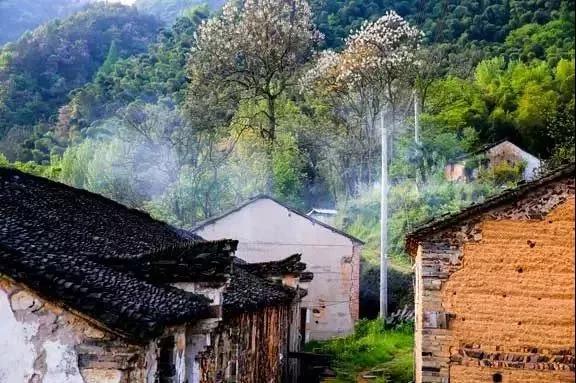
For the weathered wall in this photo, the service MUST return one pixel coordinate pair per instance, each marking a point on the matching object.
(498, 292)
(516, 286)
(267, 231)
(485, 374)
(249, 348)
(40, 342)
(455, 172)
(506, 151)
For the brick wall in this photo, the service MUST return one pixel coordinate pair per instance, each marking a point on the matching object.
(355, 288)
(496, 294)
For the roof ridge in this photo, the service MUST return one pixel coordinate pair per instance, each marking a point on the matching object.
(257, 197)
(445, 220)
(485, 148)
(57, 184)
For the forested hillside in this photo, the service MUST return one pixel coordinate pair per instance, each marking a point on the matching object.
(38, 72)
(282, 97)
(453, 21)
(19, 16)
(170, 10)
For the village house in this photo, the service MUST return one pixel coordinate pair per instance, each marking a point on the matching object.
(94, 292)
(327, 216)
(494, 288)
(468, 167)
(268, 230)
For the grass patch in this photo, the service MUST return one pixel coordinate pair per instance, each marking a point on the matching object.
(371, 347)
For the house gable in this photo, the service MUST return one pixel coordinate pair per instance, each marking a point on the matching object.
(264, 219)
(269, 231)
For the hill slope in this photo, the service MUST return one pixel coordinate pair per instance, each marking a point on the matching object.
(38, 72)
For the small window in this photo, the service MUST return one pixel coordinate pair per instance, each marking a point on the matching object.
(497, 377)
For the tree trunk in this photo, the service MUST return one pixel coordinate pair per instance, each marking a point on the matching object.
(271, 118)
(271, 132)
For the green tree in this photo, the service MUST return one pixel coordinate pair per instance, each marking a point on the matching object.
(111, 59)
(252, 51)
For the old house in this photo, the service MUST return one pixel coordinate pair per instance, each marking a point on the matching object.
(268, 230)
(495, 288)
(467, 167)
(327, 216)
(94, 292)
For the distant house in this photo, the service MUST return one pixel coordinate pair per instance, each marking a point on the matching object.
(495, 288)
(94, 292)
(324, 215)
(467, 167)
(268, 230)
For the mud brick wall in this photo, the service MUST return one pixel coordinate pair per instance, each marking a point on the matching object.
(495, 295)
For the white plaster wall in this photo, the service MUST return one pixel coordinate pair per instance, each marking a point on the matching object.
(17, 353)
(267, 231)
(36, 344)
(507, 150)
(61, 363)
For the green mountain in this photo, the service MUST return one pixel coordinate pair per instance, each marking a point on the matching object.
(170, 10)
(19, 16)
(461, 21)
(38, 72)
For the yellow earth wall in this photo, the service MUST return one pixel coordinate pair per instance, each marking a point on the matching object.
(514, 294)
(484, 374)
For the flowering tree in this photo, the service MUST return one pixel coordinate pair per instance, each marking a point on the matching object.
(251, 52)
(375, 67)
(375, 71)
(376, 64)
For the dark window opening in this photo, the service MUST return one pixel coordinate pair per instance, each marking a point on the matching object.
(303, 317)
(497, 377)
(166, 363)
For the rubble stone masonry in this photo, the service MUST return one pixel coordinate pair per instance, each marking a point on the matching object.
(495, 294)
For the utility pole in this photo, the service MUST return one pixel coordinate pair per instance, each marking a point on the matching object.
(384, 222)
(416, 117)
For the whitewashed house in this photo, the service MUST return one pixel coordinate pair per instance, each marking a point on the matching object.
(466, 168)
(268, 230)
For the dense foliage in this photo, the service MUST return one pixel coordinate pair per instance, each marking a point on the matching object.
(190, 120)
(38, 72)
(442, 21)
(19, 16)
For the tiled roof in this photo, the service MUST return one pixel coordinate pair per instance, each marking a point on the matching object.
(251, 289)
(113, 264)
(248, 292)
(101, 258)
(290, 265)
(126, 305)
(447, 220)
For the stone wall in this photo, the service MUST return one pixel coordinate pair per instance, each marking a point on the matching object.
(495, 295)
